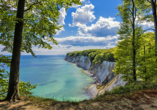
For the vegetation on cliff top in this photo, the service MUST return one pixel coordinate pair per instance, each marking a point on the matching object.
(95, 55)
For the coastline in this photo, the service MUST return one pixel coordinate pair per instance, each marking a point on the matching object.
(91, 89)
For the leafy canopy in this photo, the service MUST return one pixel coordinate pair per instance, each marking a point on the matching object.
(40, 22)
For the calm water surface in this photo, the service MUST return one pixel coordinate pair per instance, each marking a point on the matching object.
(55, 77)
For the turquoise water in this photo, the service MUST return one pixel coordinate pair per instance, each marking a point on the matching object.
(55, 77)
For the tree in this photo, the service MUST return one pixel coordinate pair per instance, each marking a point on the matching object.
(34, 20)
(146, 6)
(146, 57)
(153, 3)
(128, 12)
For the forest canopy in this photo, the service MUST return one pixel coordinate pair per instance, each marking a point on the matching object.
(95, 55)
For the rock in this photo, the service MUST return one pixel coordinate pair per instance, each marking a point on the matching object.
(101, 72)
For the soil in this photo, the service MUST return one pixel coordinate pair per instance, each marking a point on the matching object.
(143, 100)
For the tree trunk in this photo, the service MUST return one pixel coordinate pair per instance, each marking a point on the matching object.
(13, 89)
(155, 22)
(146, 77)
(133, 42)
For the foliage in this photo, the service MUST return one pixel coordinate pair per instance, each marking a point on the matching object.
(95, 55)
(40, 22)
(130, 32)
(3, 77)
(146, 57)
(39, 25)
(24, 87)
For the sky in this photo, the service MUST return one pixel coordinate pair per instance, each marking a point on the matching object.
(92, 25)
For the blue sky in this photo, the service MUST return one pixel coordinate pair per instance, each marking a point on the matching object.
(92, 25)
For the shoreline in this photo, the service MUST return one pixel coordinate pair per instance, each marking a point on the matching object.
(92, 87)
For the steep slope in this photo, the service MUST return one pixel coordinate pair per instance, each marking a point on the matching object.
(101, 72)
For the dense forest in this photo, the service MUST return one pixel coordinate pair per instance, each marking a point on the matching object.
(95, 55)
(135, 54)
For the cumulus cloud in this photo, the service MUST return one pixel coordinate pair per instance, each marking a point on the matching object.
(144, 23)
(65, 46)
(88, 41)
(83, 15)
(61, 20)
(69, 25)
(62, 16)
(103, 27)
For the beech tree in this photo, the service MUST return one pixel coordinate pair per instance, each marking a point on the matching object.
(153, 4)
(146, 6)
(134, 51)
(25, 23)
(128, 13)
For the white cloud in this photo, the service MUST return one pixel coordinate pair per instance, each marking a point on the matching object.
(62, 16)
(73, 43)
(69, 25)
(83, 15)
(65, 46)
(144, 23)
(88, 41)
(61, 51)
(87, 1)
(61, 20)
(103, 27)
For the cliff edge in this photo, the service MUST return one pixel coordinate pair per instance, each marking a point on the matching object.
(105, 78)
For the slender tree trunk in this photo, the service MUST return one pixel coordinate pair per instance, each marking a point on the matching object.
(133, 42)
(13, 89)
(155, 22)
(146, 77)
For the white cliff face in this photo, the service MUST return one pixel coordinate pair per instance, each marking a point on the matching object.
(101, 71)
(72, 59)
(118, 82)
(84, 62)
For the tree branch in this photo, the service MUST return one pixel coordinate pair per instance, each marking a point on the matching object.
(30, 7)
(148, 1)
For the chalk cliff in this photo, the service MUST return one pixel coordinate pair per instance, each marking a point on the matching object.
(101, 72)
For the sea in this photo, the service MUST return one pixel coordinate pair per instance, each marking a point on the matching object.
(56, 78)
